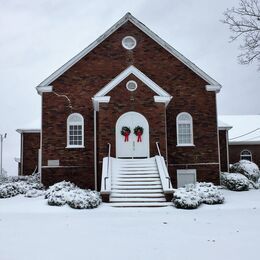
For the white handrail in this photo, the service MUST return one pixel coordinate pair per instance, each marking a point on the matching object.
(165, 175)
(108, 165)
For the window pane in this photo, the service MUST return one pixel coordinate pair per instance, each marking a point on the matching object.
(184, 133)
(75, 135)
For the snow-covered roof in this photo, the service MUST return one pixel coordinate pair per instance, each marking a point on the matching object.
(20, 131)
(223, 126)
(245, 128)
(214, 85)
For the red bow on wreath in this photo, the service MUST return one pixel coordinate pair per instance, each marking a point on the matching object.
(126, 135)
(139, 136)
(126, 132)
(139, 132)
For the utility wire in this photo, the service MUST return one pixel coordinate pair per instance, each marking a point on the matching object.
(245, 134)
(253, 138)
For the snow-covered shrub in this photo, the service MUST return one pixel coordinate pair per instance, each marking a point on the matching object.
(66, 192)
(63, 186)
(192, 195)
(247, 168)
(83, 199)
(57, 198)
(235, 181)
(209, 193)
(15, 185)
(33, 193)
(186, 199)
(8, 190)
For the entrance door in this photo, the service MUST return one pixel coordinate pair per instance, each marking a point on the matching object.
(133, 146)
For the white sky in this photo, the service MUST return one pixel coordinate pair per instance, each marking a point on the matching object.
(37, 37)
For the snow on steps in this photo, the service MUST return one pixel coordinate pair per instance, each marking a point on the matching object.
(137, 183)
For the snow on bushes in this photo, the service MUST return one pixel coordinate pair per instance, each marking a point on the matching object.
(209, 193)
(13, 186)
(57, 195)
(192, 195)
(57, 198)
(33, 193)
(247, 168)
(66, 192)
(235, 181)
(186, 199)
(83, 199)
(63, 186)
(8, 190)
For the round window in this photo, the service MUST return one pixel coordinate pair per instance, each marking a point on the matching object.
(129, 42)
(131, 85)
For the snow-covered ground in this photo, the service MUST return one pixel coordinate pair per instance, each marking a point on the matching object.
(32, 230)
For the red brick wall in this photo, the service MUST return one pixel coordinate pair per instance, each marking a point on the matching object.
(31, 145)
(223, 150)
(235, 150)
(99, 67)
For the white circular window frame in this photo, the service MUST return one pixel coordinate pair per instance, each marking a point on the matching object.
(127, 47)
(130, 82)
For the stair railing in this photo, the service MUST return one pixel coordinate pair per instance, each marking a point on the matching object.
(162, 162)
(108, 165)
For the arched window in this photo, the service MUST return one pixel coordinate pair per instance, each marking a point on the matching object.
(246, 155)
(75, 131)
(184, 129)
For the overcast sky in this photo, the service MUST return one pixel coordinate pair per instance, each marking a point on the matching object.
(38, 36)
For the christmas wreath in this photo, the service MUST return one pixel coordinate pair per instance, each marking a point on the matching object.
(138, 131)
(125, 131)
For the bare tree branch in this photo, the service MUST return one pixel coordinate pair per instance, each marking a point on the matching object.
(244, 23)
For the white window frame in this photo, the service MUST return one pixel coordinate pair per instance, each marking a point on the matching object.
(68, 131)
(186, 171)
(125, 46)
(245, 150)
(191, 128)
(131, 82)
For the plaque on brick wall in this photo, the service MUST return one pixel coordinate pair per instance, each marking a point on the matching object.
(53, 162)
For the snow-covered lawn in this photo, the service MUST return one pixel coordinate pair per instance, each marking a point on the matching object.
(32, 230)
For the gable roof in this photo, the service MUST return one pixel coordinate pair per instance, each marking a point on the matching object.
(142, 27)
(140, 75)
(100, 96)
(223, 126)
(245, 130)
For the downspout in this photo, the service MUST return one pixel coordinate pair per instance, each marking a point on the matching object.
(95, 147)
(219, 160)
(21, 170)
(166, 137)
(40, 153)
(227, 145)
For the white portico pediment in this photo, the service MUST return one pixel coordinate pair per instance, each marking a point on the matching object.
(162, 96)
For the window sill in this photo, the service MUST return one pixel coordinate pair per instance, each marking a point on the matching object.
(74, 146)
(185, 145)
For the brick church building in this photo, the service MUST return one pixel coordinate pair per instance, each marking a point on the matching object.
(129, 103)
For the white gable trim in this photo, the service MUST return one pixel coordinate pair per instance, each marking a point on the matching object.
(137, 23)
(42, 89)
(140, 75)
(160, 99)
(214, 88)
(97, 100)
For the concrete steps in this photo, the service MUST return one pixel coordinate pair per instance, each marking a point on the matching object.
(137, 183)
